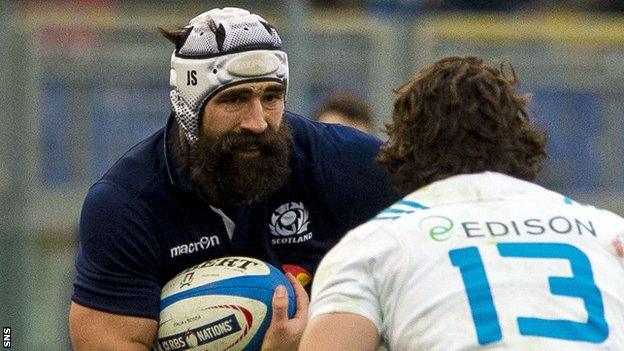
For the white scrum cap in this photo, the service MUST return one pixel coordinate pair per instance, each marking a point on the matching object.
(223, 47)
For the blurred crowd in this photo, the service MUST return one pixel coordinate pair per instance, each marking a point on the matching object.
(482, 5)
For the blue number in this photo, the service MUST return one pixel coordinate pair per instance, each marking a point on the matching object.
(581, 285)
(479, 293)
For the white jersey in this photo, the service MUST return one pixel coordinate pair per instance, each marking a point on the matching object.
(482, 261)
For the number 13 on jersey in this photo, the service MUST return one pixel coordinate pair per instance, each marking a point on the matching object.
(580, 285)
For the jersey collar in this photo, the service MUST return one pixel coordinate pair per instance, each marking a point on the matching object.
(479, 187)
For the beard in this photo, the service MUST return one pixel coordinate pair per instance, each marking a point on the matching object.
(218, 170)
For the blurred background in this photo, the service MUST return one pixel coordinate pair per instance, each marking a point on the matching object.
(82, 81)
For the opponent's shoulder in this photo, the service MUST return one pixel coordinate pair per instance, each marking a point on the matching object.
(373, 233)
(592, 211)
(609, 217)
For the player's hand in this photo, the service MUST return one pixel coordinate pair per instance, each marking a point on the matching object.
(284, 334)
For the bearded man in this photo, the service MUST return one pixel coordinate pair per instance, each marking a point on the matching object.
(231, 174)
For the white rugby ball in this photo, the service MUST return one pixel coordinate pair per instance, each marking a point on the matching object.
(221, 304)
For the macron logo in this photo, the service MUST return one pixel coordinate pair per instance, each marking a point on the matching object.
(202, 244)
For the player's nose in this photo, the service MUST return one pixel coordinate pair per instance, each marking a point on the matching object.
(254, 121)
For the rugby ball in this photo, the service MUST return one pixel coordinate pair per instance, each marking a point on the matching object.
(221, 304)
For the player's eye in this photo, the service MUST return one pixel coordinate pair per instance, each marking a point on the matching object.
(273, 97)
(231, 100)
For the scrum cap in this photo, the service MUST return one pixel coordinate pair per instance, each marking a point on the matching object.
(223, 47)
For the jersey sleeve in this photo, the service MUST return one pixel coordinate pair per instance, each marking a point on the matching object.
(117, 255)
(357, 186)
(352, 276)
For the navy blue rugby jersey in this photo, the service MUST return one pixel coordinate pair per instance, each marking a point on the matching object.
(141, 224)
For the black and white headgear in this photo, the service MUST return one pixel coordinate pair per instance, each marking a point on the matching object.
(223, 47)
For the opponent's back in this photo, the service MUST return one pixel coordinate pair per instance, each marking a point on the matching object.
(485, 261)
